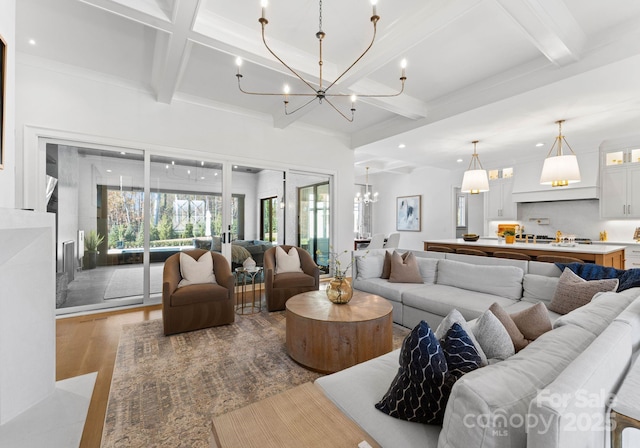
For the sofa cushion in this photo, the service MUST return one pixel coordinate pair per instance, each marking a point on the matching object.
(454, 317)
(503, 281)
(573, 292)
(571, 412)
(369, 266)
(381, 287)
(493, 337)
(428, 269)
(441, 299)
(428, 370)
(631, 315)
(386, 264)
(293, 280)
(195, 272)
(539, 288)
(488, 407)
(404, 269)
(356, 390)
(597, 314)
(205, 292)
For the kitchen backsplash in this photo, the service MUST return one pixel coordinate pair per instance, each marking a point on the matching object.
(581, 218)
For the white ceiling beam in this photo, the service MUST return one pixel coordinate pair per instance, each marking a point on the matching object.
(136, 10)
(549, 25)
(171, 59)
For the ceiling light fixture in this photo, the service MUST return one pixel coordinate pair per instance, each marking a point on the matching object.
(560, 170)
(367, 198)
(320, 92)
(475, 179)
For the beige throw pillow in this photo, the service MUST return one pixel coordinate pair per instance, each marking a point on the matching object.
(404, 270)
(196, 272)
(573, 291)
(525, 326)
(386, 265)
(287, 262)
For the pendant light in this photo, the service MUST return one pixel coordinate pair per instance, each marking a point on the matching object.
(560, 170)
(475, 179)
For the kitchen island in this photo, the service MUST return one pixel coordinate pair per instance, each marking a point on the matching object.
(602, 254)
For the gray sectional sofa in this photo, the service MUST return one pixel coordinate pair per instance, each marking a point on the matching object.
(553, 393)
(467, 283)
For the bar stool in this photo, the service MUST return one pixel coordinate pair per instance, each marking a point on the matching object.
(558, 259)
(511, 255)
(476, 252)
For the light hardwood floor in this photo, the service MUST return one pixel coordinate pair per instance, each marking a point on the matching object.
(87, 344)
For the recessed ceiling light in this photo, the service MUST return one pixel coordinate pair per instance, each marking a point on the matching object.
(201, 177)
(32, 42)
(215, 174)
(108, 171)
(166, 167)
(235, 166)
(123, 153)
(539, 144)
(202, 163)
(402, 145)
(459, 160)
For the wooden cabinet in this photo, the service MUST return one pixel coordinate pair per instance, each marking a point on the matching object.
(620, 191)
(632, 257)
(499, 202)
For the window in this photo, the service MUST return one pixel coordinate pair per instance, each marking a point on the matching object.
(268, 219)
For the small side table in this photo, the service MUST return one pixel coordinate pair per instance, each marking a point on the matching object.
(625, 410)
(242, 277)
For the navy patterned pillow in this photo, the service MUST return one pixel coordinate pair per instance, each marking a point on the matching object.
(428, 370)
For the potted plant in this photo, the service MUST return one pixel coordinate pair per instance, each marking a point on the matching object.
(509, 236)
(91, 242)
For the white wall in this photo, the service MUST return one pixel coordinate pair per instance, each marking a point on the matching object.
(7, 175)
(101, 111)
(436, 187)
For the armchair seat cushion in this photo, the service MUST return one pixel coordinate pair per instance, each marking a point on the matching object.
(205, 292)
(293, 280)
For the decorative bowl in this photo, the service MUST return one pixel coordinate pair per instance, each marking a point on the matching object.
(470, 237)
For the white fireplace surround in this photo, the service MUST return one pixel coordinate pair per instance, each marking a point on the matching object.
(27, 310)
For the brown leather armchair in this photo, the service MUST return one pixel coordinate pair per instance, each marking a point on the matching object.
(280, 287)
(197, 306)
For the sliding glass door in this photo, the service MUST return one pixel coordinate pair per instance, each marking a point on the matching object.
(314, 222)
(97, 196)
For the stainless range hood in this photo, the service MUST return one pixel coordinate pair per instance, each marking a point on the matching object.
(527, 188)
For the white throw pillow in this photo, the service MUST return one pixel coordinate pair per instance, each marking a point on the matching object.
(428, 271)
(493, 337)
(369, 266)
(287, 262)
(196, 272)
(454, 317)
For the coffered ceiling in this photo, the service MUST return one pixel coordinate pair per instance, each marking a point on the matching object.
(498, 71)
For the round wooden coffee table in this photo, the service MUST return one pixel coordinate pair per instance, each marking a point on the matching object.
(326, 337)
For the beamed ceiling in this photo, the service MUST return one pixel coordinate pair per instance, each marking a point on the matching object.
(498, 71)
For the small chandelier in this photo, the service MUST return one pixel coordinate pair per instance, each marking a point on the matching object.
(560, 169)
(367, 198)
(475, 179)
(320, 92)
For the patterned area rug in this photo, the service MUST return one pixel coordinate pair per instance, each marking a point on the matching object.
(165, 390)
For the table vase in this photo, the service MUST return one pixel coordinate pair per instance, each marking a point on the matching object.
(339, 290)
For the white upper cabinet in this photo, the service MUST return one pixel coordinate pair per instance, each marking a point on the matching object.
(620, 184)
(498, 200)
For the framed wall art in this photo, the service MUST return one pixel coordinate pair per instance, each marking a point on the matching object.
(3, 75)
(409, 213)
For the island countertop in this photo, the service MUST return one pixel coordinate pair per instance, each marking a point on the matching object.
(602, 254)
